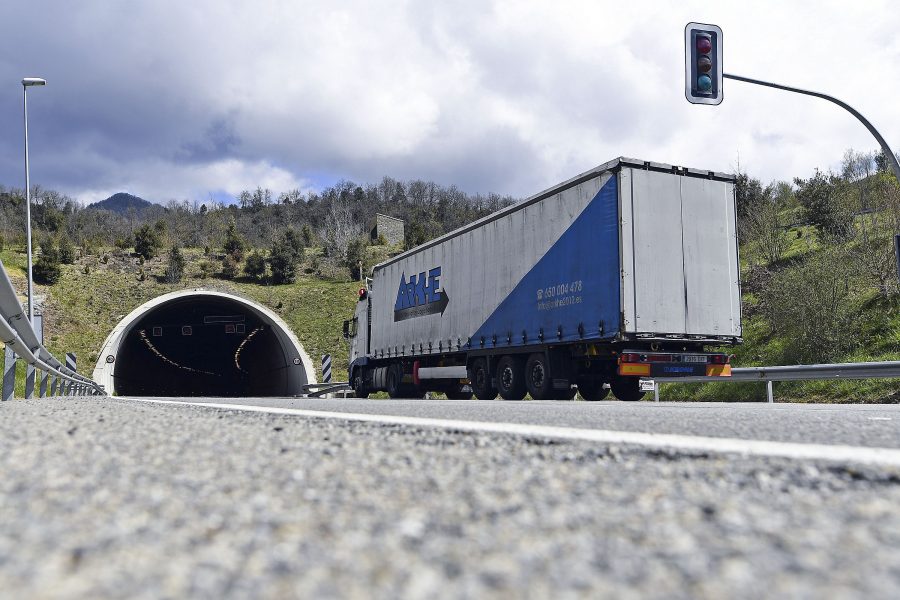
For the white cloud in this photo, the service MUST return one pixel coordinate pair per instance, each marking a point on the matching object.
(181, 99)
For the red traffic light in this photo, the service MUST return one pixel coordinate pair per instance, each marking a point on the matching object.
(704, 44)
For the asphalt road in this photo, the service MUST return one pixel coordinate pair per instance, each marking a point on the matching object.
(120, 498)
(849, 424)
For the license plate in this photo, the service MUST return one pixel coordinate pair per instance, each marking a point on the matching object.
(647, 385)
(693, 359)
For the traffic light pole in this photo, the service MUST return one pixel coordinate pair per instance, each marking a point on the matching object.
(891, 157)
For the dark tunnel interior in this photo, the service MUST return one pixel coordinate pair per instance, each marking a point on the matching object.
(201, 346)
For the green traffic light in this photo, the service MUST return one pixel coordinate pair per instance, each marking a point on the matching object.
(704, 83)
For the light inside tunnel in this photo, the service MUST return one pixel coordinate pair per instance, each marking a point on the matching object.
(203, 346)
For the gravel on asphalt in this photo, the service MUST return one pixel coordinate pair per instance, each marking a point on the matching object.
(113, 498)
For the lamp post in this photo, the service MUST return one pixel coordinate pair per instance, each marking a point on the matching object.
(27, 83)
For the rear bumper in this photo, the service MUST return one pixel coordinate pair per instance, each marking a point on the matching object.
(672, 369)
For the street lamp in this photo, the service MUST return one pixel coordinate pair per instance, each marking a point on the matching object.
(27, 83)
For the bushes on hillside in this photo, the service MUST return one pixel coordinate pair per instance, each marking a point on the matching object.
(255, 267)
(811, 307)
(147, 241)
(175, 269)
(47, 269)
(66, 250)
(283, 262)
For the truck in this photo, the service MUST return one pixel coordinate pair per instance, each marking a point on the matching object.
(625, 273)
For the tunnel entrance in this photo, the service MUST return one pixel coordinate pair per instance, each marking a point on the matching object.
(202, 344)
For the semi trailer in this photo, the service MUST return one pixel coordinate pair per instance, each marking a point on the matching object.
(625, 273)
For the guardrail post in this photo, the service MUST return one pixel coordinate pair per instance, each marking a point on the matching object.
(769, 395)
(53, 385)
(29, 382)
(45, 375)
(9, 373)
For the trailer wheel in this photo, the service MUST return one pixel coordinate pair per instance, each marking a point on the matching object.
(627, 389)
(359, 385)
(394, 381)
(538, 381)
(481, 380)
(592, 390)
(511, 378)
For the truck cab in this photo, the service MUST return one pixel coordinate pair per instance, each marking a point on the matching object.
(356, 332)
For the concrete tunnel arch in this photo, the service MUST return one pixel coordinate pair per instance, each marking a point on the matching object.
(203, 343)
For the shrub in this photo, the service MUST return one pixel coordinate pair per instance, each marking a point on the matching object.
(66, 250)
(255, 267)
(230, 267)
(283, 263)
(47, 269)
(175, 270)
(147, 241)
(811, 308)
(207, 269)
(825, 205)
(294, 241)
(124, 243)
(235, 245)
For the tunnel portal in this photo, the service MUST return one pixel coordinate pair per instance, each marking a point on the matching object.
(202, 344)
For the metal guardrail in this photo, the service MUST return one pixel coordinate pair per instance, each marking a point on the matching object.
(18, 335)
(864, 370)
(317, 390)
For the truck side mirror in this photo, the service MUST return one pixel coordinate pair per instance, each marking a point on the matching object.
(346, 330)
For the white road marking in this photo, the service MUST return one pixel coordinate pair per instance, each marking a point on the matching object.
(879, 418)
(689, 443)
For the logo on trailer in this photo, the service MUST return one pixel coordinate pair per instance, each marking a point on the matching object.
(420, 296)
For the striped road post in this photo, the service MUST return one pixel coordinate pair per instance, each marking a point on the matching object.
(71, 363)
(326, 368)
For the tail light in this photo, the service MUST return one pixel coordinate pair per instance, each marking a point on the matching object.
(719, 359)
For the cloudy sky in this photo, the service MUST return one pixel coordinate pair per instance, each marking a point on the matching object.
(202, 99)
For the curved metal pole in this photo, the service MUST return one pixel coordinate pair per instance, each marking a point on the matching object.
(891, 157)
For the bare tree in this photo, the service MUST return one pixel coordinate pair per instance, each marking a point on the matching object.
(339, 230)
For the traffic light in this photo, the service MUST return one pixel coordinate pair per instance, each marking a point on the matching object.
(703, 63)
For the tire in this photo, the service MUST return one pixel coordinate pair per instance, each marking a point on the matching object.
(394, 381)
(627, 389)
(359, 386)
(480, 379)
(592, 390)
(538, 380)
(511, 378)
(457, 393)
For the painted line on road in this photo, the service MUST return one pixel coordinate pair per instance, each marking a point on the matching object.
(688, 443)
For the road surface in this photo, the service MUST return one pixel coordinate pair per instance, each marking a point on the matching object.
(114, 497)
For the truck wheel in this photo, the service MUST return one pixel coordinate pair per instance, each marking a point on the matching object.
(358, 384)
(394, 381)
(592, 390)
(511, 378)
(537, 377)
(627, 388)
(480, 378)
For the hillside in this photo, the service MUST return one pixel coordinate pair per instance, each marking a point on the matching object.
(121, 203)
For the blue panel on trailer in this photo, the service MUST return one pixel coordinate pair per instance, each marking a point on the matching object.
(575, 284)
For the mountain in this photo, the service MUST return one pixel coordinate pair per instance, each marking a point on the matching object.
(122, 203)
